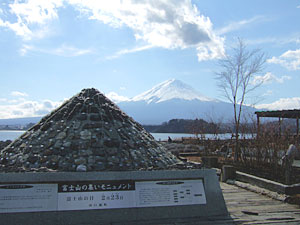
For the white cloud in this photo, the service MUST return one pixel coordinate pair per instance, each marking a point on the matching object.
(116, 98)
(279, 40)
(128, 51)
(32, 17)
(70, 51)
(269, 78)
(281, 104)
(18, 94)
(268, 93)
(290, 60)
(64, 50)
(25, 49)
(236, 25)
(168, 24)
(27, 108)
(298, 7)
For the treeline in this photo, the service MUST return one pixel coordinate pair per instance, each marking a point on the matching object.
(16, 127)
(197, 126)
(200, 126)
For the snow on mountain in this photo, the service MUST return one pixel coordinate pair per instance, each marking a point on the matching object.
(168, 100)
(171, 89)
(174, 99)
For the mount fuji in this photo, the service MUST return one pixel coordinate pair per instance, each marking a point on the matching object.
(170, 89)
(173, 99)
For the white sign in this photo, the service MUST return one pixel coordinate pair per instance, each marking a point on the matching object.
(169, 193)
(28, 198)
(96, 200)
(88, 195)
(96, 195)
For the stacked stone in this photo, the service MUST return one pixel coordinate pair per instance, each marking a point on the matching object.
(3, 144)
(87, 133)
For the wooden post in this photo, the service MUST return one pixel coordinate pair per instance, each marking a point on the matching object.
(279, 128)
(228, 173)
(210, 162)
(258, 127)
(288, 171)
(297, 132)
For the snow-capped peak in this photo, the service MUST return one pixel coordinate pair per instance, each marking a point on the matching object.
(170, 89)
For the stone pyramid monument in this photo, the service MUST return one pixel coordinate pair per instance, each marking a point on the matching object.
(86, 133)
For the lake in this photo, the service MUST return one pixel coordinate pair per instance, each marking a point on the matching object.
(164, 136)
(10, 134)
(13, 134)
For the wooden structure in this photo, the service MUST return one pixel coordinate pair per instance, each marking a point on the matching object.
(247, 207)
(244, 207)
(280, 114)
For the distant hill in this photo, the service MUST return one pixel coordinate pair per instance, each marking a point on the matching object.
(196, 126)
(19, 121)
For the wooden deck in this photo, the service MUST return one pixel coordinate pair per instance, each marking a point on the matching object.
(244, 207)
(247, 207)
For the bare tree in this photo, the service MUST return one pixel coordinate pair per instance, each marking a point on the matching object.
(236, 80)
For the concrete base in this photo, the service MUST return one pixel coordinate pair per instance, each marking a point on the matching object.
(210, 161)
(228, 173)
(268, 184)
(214, 207)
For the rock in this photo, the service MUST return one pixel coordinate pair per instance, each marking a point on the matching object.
(23, 145)
(99, 166)
(91, 160)
(67, 144)
(61, 135)
(48, 152)
(76, 125)
(58, 144)
(87, 133)
(32, 159)
(111, 151)
(81, 168)
(85, 152)
(79, 161)
(95, 117)
(82, 116)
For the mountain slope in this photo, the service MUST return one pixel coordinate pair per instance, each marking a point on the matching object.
(168, 100)
(170, 89)
(174, 99)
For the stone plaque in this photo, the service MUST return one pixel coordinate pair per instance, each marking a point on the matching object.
(28, 198)
(96, 195)
(170, 193)
(91, 195)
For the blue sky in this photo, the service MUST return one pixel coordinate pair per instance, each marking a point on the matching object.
(51, 49)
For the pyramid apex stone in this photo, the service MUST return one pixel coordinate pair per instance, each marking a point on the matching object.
(88, 132)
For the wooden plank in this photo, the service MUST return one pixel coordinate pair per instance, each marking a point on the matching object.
(246, 207)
